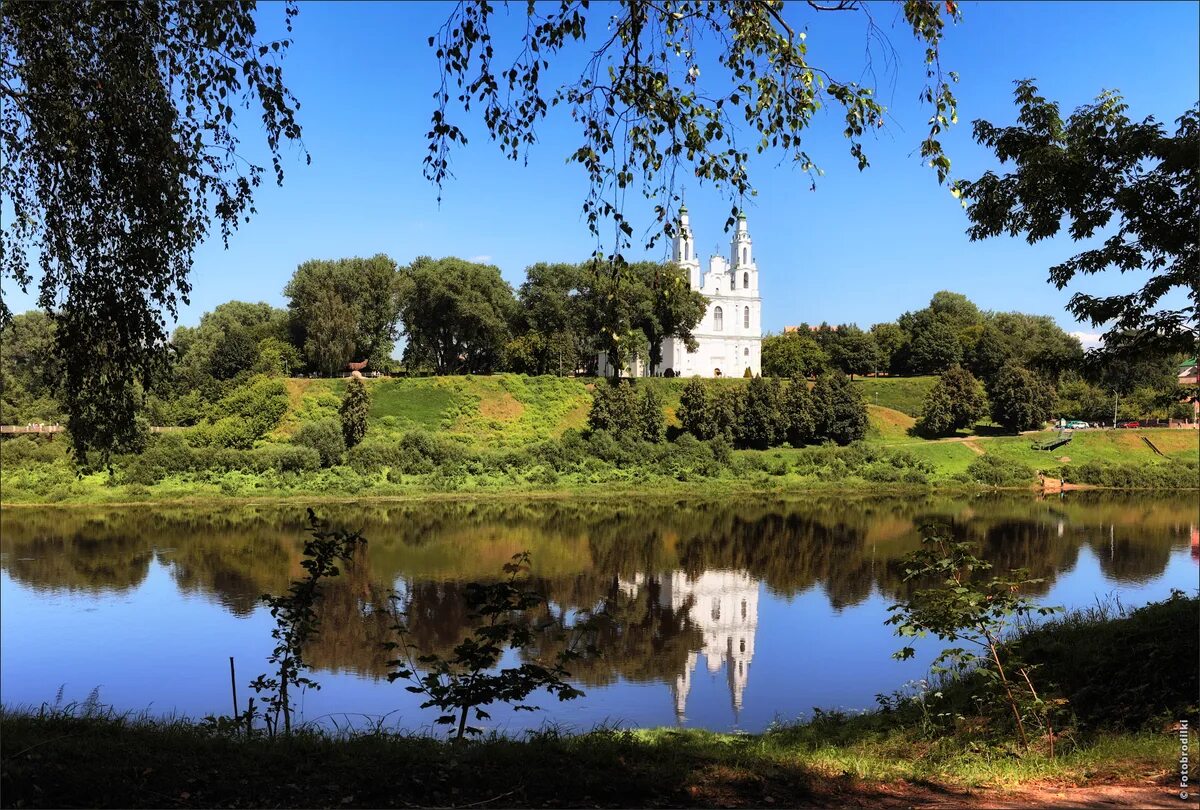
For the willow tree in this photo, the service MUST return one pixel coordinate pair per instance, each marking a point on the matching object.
(670, 87)
(118, 155)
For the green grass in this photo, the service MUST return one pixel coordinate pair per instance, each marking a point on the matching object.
(62, 760)
(904, 394)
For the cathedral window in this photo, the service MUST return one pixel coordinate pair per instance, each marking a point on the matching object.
(716, 610)
(742, 646)
(732, 281)
(718, 319)
(746, 318)
(743, 616)
(745, 255)
(745, 281)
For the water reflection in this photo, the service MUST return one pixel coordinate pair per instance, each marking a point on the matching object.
(682, 580)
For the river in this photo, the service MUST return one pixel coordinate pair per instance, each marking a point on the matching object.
(727, 613)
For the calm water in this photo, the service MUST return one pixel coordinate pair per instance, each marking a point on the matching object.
(728, 614)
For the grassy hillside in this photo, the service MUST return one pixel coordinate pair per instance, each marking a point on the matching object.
(504, 410)
(904, 394)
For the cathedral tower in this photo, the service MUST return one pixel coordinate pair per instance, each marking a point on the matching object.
(685, 249)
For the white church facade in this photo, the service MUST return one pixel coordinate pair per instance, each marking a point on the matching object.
(729, 336)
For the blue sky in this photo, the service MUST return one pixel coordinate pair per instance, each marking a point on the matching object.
(863, 247)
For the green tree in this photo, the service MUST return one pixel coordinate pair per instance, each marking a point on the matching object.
(961, 608)
(226, 343)
(992, 351)
(615, 408)
(891, 340)
(697, 411)
(955, 401)
(155, 160)
(796, 412)
(760, 424)
(1020, 400)
(556, 337)
(329, 334)
(324, 436)
(1079, 399)
(855, 351)
(792, 354)
(633, 307)
(30, 385)
(457, 315)
(934, 346)
(654, 422)
(356, 408)
(344, 308)
(839, 412)
(1102, 167)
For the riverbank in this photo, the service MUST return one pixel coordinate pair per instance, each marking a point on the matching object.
(514, 436)
(63, 760)
(1118, 739)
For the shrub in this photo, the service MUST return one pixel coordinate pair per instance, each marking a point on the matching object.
(324, 436)
(760, 424)
(615, 409)
(374, 455)
(695, 413)
(356, 406)
(421, 452)
(796, 413)
(1169, 475)
(999, 472)
(839, 412)
(955, 401)
(650, 414)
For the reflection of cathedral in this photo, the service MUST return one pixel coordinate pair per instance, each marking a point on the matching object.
(723, 605)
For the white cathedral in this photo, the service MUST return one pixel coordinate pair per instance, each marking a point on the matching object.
(729, 336)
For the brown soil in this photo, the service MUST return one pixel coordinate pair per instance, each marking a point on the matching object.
(973, 447)
(896, 795)
(504, 407)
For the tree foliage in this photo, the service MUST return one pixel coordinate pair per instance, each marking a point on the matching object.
(1020, 399)
(356, 407)
(343, 310)
(760, 425)
(839, 411)
(955, 401)
(792, 354)
(118, 152)
(855, 351)
(457, 315)
(644, 110)
(1096, 172)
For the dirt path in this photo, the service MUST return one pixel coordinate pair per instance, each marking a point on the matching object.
(1147, 794)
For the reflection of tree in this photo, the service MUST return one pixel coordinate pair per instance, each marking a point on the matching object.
(581, 550)
(642, 640)
(80, 562)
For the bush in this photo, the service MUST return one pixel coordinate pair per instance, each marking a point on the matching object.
(615, 409)
(761, 424)
(420, 452)
(1169, 475)
(324, 436)
(839, 411)
(356, 406)
(999, 472)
